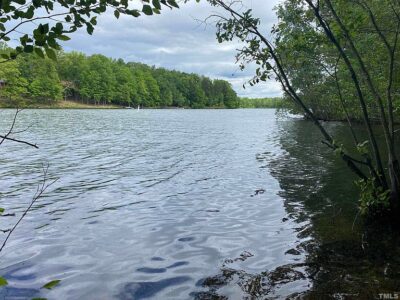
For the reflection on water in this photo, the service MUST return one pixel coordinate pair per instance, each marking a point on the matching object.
(207, 204)
(345, 258)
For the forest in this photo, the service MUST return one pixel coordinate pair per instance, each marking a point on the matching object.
(97, 80)
(275, 102)
(368, 33)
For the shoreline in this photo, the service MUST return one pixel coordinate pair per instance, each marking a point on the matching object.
(63, 104)
(68, 104)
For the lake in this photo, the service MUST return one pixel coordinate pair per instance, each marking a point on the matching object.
(183, 204)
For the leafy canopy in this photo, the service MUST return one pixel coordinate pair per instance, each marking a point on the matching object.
(54, 20)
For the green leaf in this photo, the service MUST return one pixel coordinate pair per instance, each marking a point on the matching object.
(52, 43)
(173, 3)
(51, 284)
(43, 28)
(147, 10)
(58, 28)
(89, 28)
(135, 13)
(39, 52)
(63, 37)
(2, 209)
(28, 49)
(30, 13)
(116, 14)
(51, 54)
(3, 281)
(156, 4)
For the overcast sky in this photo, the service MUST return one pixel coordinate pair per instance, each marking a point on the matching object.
(175, 40)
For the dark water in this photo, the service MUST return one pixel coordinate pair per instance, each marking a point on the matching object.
(206, 204)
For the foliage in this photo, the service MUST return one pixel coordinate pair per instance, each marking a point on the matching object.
(335, 59)
(97, 79)
(372, 199)
(54, 20)
(262, 103)
(3, 281)
(51, 284)
(317, 70)
(29, 78)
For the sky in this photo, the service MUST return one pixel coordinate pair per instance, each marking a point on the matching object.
(177, 39)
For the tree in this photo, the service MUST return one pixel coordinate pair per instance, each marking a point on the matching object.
(125, 90)
(337, 23)
(153, 98)
(71, 67)
(196, 94)
(142, 93)
(15, 86)
(44, 83)
(207, 87)
(166, 85)
(99, 80)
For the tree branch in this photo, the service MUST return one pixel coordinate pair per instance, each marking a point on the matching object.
(42, 187)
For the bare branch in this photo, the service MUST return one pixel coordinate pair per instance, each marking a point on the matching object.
(19, 141)
(11, 128)
(11, 131)
(42, 187)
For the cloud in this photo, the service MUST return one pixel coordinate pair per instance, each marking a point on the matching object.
(177, 40)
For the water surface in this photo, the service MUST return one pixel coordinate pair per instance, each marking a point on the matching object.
(181, 204)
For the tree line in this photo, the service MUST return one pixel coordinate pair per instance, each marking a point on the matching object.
(97, 79)
(275, 102)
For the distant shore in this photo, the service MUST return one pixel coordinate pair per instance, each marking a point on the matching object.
(69, 104)
(65, 104)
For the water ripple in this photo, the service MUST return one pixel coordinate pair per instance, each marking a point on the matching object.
(146, 205)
